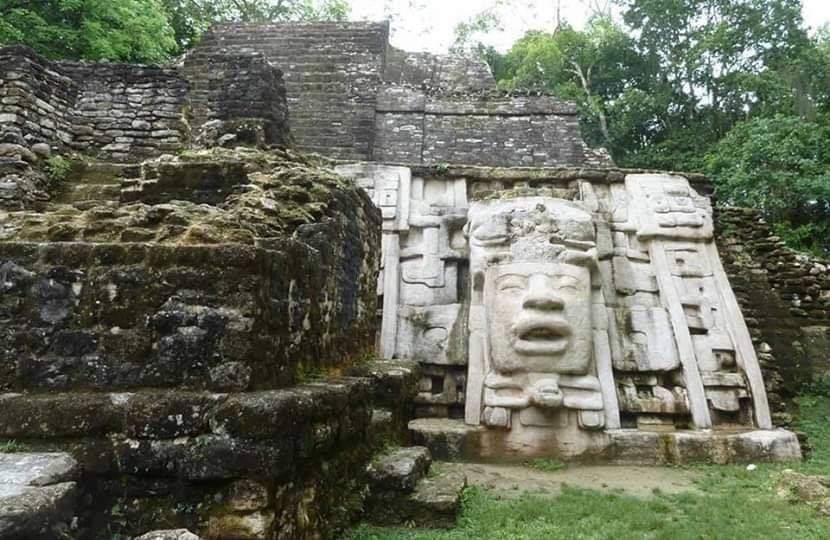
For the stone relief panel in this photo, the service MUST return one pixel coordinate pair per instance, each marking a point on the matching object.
(720, 369)
(389, 188)
(564, 308)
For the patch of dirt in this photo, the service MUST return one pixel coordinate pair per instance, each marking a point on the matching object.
(513, 480)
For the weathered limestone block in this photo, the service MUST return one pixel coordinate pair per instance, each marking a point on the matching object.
(38, 495)
(399, 470)
(208, 182)
(134, 296)
(432, 334)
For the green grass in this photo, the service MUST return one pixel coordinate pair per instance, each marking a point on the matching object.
(734, 503)
(10, 447)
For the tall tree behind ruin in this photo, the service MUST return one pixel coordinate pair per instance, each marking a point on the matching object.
(123, 30)
(191, 18)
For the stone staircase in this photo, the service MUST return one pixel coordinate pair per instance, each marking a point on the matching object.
(94, 183)
(406, 489)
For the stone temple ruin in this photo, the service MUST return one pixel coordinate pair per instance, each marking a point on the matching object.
(301, 246)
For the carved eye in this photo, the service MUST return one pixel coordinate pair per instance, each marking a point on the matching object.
(511, 284)
(567, 283)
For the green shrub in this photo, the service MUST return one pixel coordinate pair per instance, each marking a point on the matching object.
(57, 169)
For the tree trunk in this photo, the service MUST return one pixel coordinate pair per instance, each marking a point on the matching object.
(585, 82)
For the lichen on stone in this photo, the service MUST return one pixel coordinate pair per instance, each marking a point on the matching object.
(281, 192)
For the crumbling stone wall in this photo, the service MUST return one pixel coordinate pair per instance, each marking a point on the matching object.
(182, 295)
(785, 297)
(116, 111)
(127, 112)
(281, 464)
(332, 71)
(36, 96)
(241, 96)
(417, 126)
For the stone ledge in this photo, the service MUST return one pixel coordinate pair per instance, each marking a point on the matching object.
(454, 440)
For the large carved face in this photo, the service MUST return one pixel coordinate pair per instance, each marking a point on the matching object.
(539, 317)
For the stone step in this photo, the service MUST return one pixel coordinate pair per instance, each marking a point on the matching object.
(102, 172)
(38, 495)
(399, 470)
(73, 193)
(433, 503)
(437, 499)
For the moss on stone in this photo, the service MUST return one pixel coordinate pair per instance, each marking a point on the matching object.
(284, 191)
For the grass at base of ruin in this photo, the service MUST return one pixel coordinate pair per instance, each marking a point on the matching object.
(735, 503)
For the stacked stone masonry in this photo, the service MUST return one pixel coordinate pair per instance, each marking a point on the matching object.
(128, 113)
(200, 340)
(785, 297)
(113, 110)
(348, 92)
(353, 96)
(282, 464)
(243, 93)
(485, 128)
(332, 71)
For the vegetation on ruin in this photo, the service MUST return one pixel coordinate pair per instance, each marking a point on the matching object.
(11, 447)
(57, 169)
(733, 502)
(126, 30)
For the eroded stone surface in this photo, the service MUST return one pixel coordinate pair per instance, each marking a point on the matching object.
(38, 496)
(25, 469)
(453, 440)
(399, 469)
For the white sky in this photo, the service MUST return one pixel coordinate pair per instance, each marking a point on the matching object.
(429, 24)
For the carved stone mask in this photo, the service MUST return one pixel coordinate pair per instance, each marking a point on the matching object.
(539, 317)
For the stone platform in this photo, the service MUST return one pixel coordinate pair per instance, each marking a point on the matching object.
(454, 440)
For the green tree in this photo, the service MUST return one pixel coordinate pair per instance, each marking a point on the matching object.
(598, 68)
(780, 165)
(191, 18)
(123, 30)
(721, 61)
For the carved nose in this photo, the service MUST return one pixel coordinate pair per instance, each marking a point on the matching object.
(542, 295)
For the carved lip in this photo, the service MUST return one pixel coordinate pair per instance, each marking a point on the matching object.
(488, 240)
(541, 335)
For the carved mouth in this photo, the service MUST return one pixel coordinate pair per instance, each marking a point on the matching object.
(540, 336)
